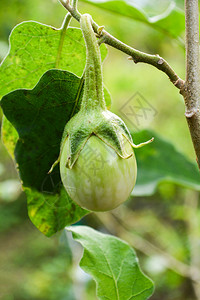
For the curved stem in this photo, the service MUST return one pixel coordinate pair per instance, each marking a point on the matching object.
(74, 4)
(64, 27)
(74, 12)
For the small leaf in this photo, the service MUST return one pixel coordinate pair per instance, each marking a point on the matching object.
(171, 21)
(113, 265)
(161, 162)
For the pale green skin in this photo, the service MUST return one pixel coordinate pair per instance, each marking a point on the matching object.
(100, 179)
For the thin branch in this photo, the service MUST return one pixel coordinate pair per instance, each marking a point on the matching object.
(191, 91)
(64, 27)
(136, 55)
(74, 12)
(74, 4)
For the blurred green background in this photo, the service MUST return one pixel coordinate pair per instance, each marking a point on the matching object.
(39, 268)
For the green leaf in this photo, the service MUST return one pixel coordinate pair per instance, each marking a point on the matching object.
(113, 265)
(51, 212)
(39, 116)
(171, 22)
(34, 49)
(161, 162)
(9, 136)
(153, 7)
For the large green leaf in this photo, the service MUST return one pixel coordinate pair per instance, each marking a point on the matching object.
(171, 21)
(39, 116)
(113, 265)
(34, 49)
(161, 162)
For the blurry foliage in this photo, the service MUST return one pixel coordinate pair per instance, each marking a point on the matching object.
(164, 15)
(33, 266)
(17, 11)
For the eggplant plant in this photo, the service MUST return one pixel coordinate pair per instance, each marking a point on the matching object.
(74, 156)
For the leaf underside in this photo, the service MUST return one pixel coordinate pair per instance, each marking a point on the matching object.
(170, 20)
(113, 265)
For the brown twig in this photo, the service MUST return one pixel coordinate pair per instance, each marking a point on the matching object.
(191, 89)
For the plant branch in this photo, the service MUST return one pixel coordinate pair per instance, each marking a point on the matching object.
(73, 11)
(136, 55)
(189, 88)
(62, 37)
(191, 91)
(74, 4)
